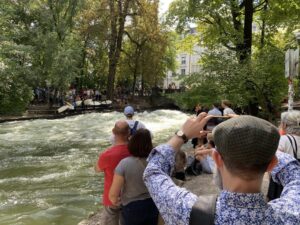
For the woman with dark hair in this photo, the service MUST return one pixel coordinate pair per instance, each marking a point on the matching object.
(137, 206)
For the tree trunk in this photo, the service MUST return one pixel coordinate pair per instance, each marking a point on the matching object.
(263, 28)
(136, 65)
(112, 49)
(117, 24)
(83, 61)
(235, 13)
(247, 48)
(143, 86)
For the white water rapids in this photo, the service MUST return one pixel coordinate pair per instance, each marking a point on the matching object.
(46, 166)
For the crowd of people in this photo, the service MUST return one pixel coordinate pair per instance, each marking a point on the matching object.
(59, 98)
(238, 150)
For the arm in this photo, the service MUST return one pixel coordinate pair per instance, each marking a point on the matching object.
(115, 190)
(101, 163)
(287, 173)
(174, 203)
(207, 164)
(204, 156)
(97, 169)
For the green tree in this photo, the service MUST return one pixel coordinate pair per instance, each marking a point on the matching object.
(147, 49)
(43, 48)
(258, 83)
(93, 30)
(119, 11)
(55, 43)
(239, 59)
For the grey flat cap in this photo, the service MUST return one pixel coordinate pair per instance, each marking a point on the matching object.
(246, 140)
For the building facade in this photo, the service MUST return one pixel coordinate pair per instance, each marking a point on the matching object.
(187, 63)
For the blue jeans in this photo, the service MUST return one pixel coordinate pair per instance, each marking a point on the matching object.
(143, 212)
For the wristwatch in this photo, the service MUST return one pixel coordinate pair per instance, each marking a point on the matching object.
(180, 134)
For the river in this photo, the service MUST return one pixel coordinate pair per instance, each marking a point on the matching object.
(46, 166)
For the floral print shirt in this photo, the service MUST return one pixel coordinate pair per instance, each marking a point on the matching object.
(175, 203)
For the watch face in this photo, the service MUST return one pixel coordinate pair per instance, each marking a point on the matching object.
(180, 133)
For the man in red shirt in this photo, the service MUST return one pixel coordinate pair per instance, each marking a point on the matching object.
(107, 163)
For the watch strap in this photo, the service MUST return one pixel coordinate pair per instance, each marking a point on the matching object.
(182, 135)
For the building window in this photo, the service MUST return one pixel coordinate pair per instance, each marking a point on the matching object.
(183, 60)
(182, 71)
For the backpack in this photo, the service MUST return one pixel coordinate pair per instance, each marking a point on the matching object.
(134, 128)
(203, 211)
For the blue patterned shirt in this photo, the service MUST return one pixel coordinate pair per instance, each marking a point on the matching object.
(175, 203)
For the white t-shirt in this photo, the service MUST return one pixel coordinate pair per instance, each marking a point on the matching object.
(228, 111)
(139, 126)
(131, 123)
(285, 145)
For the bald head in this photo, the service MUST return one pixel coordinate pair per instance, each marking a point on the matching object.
(121, 129)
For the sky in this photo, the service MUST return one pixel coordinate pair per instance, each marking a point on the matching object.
(164, 5)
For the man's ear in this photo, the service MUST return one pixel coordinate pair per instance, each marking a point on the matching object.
(272, 164)
(218, 159)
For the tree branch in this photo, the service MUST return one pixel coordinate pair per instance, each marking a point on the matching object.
(130, 38)
(259, 5)
(138, 44)
(206, 20)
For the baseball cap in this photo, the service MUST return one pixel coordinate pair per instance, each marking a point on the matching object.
(129, 110)
(246, 141)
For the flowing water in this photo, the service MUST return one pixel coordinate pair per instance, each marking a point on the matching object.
(46, 166)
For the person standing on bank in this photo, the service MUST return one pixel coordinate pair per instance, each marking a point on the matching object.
(107, 163)
(138, 207)
(133, 124)
(226, 105)
(215, 111)
(245, 150)
(288, 143)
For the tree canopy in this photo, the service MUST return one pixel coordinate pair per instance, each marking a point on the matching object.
(57, 43)
(245, 42)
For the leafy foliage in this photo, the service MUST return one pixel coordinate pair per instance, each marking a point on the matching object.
(14, 89)
(243, 64)
(259, 82)
(56, 43)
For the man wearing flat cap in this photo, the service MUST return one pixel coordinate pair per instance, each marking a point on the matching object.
(245, 149)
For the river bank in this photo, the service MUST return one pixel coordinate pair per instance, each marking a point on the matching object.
(199, 185)
(43, 111)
